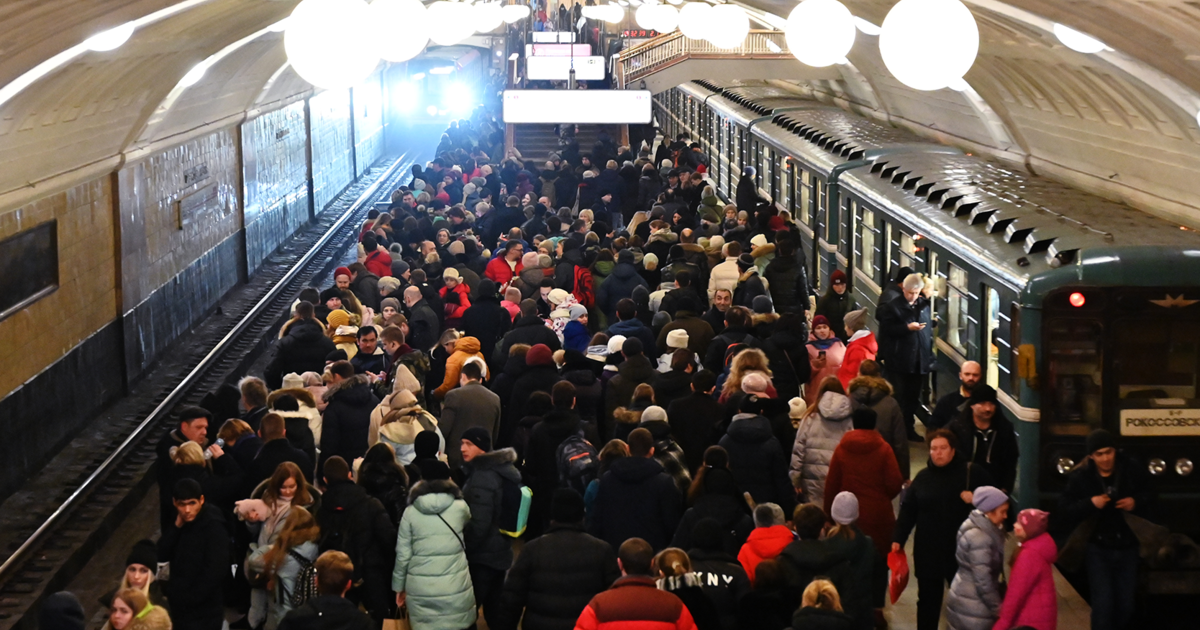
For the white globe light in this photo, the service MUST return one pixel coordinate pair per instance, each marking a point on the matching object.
(645, 16)
(693, 20)
(486, 17)
(613, 13)
(325, 43)
(926, 44)
(820, 33)
(666, 18)
(449, 22)
(410, 13)
(514, 12)
(728, 26)
(1077, 41)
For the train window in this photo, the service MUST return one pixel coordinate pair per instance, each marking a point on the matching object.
(1156, 359)
(785, 184)
(906, 252)
(765, 158)
(819, 200)
(865, 229)
(30, 259)
(958, 310)
(804, 209)
(1075, 365)
(991, 334)
(1014, 338)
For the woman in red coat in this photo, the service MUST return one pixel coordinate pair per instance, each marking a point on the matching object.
(863, 463)
(861, 347)
(456, 296)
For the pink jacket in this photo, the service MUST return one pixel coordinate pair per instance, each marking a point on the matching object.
(1031, 599)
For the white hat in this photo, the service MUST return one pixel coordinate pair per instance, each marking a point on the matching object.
(649, 261)
(615, 343)
(557, 296)
(292, 380)
(677, 338)
(654, 413)
(759, 240)
(796, 408)
(450, 272)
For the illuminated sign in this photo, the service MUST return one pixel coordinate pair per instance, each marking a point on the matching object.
(559, 68)
(1153, 422)
(602, 107)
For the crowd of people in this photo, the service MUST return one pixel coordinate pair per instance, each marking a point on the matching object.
(595, 357)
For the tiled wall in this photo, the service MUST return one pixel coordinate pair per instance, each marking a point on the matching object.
(275, 180)
(332, 160)
(368, 124)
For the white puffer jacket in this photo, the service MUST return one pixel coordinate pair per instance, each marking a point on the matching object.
(816, 438)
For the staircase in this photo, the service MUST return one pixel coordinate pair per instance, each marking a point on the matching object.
(536, 142)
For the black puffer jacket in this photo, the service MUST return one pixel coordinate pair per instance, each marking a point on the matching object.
(302, 349)
(724, 582)
(199, 557)
(788, 280)
(388, 484)
(369, 536)
(757, 460)
(541, 460)
(484, 493)
(932, 505)
(726, 509)
(486, 321)
(636, 499)
(554, 578)
(347, 419)
(528, 329)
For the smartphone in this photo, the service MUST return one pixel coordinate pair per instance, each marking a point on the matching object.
(821, 354)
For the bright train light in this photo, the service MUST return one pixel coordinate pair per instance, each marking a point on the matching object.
(442, 70)
(406, 96)
(458, 98)
(431, 110)
(325, 44)
(728, 26)
(1077, 41)
(111, 39)
(410, 13)
(820, 33)
(418, 76)
(926, 44)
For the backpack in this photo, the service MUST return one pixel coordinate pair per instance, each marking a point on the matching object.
(583, 291)
(515, 501)
(306, 581)
(578, 463)
(335, 533)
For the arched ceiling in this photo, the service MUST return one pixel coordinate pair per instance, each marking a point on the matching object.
(1121, 123)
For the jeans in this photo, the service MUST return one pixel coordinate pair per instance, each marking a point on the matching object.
(1112, 579)
(488, 584)
(930, 593)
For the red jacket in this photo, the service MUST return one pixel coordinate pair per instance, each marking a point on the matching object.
(764, 543)
(379, 263)
(864, 463)
(857, 351)
(1031, 599)
(499, 271)
(635, 603)
(454, 312)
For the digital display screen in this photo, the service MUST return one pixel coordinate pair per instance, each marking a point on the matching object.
(603, 107)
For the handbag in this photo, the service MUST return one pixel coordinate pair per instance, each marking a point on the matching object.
(399, 622)
(898, 565)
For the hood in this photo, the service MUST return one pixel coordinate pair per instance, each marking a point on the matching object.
(869, 390)
(1042, 545)
(624, 271)
(434, 497)
(764, 318)
(749, 428)
(834, 407)
(635, 469)
(355, 391)
(501, 461)
(627, 327)
(604, 267)
(767, 542)
(302, 396)
(469, 345)
(306, 330)
(863, 442)
(664, 236)
(627, 415)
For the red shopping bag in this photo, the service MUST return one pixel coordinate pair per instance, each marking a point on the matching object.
(898, 564)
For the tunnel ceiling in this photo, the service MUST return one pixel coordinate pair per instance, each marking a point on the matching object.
(1122, 122)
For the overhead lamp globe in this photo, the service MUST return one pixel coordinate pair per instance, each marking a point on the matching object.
(927, 44)
(613, 13)
(449, 22)
(487, 17)
(645, 16)
(667, 17)
(728, 26)
(820, 33)
(513, 13)
(693, 20)
(325, 44)
(410, 13)
(1077, 41)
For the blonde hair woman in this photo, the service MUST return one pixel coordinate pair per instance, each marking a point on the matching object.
(675, 576)
(746, 361)
(821, 607)
(139, 575)
(281, 561)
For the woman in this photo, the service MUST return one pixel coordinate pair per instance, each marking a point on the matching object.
(861, 346)
(384, 478)
(825, 355)
(975, 594)
(140, 567)
(821, 608)
(1031, 600)
(675, 576)
(465, 349)
(283, 560)
(766, 607)
(817, 437)
(837, 301)
(131, 610)
(340, 331)
(845, 539)
(397, 421)
(714, 494)
(612, 451)
(626, 419)
(431, 576)
(746, 361)
(265, 514)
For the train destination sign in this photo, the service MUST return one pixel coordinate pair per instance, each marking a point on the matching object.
(1156, 422)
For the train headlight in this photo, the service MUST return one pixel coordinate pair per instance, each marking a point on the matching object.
(1157, 466)
(431, 110)
(1064, 465)
(1183, 467)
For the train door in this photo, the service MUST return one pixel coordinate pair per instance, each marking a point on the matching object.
(991, 336)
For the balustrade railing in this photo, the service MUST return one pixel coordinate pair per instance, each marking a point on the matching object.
(666, 50)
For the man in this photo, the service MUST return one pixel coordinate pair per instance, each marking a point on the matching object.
(750, 284)
(356, 524)
(604, 210)
(633, 371)
(809, 557)
(637, 497)
(400, 353)
(196, 544)
(347, 416)
(836, 303)
(787, 277)
(699, 332)
(466, 406)
(527, 328)
(422, 321)
(486, 320)
(987, 439)
(619, 285)
(330, 610)
(331, 300)
(695, 419)
(342, 277)
(275, 450)
(364, 278)
(370, 358)
(768, 538)
(682, 283)
(634, 601)
(558, 573)
(628, 325)
(715, 316)
(908, 337)
(490, 475)
(737, 331)
(503, 268)
(950, 406)
(254, 400)
(726, 274)
(193, 427)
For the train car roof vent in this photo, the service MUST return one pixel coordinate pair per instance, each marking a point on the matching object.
(1015, 231)
(856, 154)
(878, 165)
(936, 195)
(923, 187)
(899, 176)
(888, 171)
(1040, 238)
(911, 181)
(979, 213)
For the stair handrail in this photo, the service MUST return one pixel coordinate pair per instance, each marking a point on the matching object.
(662, 50)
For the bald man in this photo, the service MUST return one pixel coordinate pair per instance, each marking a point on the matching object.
(950, 406)
(423, 323)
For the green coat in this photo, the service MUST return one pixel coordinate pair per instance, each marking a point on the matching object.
(431, 564)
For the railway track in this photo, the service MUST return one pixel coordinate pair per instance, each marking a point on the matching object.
(50, 528)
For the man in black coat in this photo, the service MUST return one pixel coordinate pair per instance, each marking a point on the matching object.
(747, 196)
(695, 419)
(347, 417)
(302, 348)
(192, 427)
(737, 331)
(370, 357)
(637, 498)
(633, 371)
(787, 277)
(489, 552)
(557, 574)
(628, 325)
(423, 323)
(275, 450)
(987, 439)
(254, 400)
(330, 610)
(908, 331)
(527, 328)
(486, 320)
(722, 577)
(196, 544)
(540, 375)
(715, 316)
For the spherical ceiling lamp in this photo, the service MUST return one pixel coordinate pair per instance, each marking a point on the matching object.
(325, 44)
(1077, 41)
(449, 22)
(486, 17)
(644, 16)
(514, 12)
(410, 13)
(693, 20)
(613, 13)
(926, 44)
(728, 26)
(820, 33)
(667, 17)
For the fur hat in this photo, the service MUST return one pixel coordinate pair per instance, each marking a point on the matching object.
(456, 247)
(330, 293)
(291, 380)
(677, 338)
(845, 508)
(988, 498)
(450, 272)
(797, 408)
(389, 284)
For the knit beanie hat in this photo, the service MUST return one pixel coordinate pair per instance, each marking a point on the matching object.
(479, 437)
(337, 317)
(539, 354)
(654, 413)
(820, 320)
(1034, 522)
(341, 271)
(856, 320)
(759, 240)
(616, 343)
(426, 445)
(577, 311)
(988, 498)
(392, 302)
(677, 339)
(745, 261)
(61, 611)
(456, 248)
(566, 506)
(661, 318)
(755, 383)
(144, 553)
(557, 296)
(631, 346)
(1099, 439)
(399, 267)
(762, 304)
(291, 380)
(837, 276)
(797, 408)
(530, 260)
(845, 508)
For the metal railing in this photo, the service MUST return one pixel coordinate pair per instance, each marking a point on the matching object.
(667, 50)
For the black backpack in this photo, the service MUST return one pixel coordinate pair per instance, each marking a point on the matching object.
(335, 533)
(306, 582)
(578, 463)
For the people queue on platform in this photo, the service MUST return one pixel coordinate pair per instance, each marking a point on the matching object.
(592, 355)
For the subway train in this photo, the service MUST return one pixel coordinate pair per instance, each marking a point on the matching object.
(1083, 312)
(440, 84)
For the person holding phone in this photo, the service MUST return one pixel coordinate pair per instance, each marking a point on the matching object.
(825, 353)
(907, 345)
